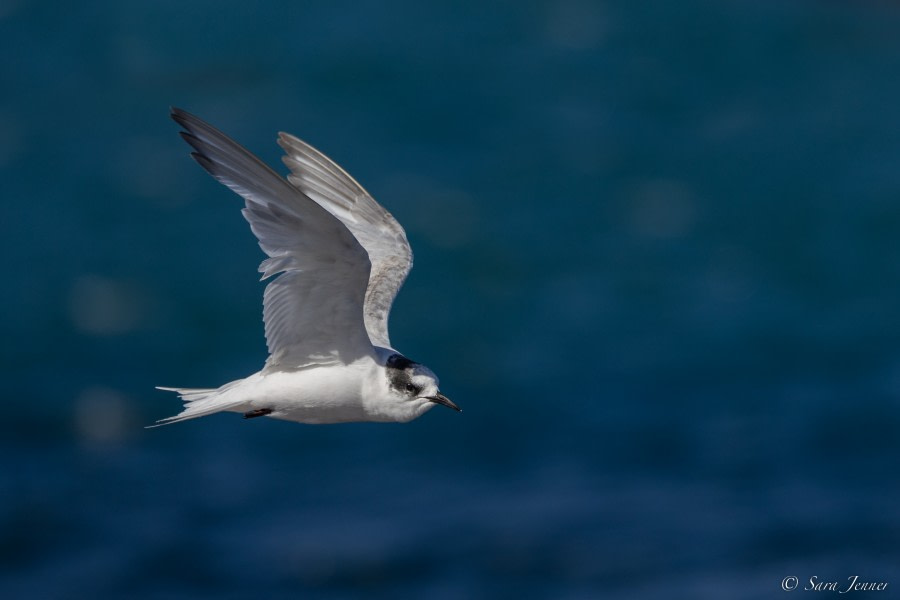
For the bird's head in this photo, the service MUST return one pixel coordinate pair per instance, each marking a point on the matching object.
(412, 387)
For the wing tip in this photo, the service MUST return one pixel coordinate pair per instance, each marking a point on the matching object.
(204, 161)
(180, 116)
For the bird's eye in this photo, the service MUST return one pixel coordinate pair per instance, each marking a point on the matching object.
(410, 387)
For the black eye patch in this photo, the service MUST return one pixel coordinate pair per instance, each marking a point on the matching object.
(402, 382)
(399, 373)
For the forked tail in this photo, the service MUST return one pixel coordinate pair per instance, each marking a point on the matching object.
(199, 402)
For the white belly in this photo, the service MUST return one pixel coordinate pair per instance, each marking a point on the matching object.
(317, 395)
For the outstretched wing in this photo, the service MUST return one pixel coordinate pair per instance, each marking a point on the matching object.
(313, 309)
(318, 177)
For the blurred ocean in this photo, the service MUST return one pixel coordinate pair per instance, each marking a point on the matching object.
(657, 264)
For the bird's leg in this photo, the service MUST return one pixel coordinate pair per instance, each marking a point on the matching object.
(259, 412)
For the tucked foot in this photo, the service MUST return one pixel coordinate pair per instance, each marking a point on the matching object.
(259, 412)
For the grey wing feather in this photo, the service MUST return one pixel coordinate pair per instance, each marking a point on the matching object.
(313, 309)
(320, 178)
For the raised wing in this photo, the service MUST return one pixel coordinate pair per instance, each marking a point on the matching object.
(318, 177)
(313, 310)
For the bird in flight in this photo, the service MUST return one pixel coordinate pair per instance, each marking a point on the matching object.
(337, 259)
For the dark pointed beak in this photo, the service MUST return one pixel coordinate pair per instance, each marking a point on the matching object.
(439, 398)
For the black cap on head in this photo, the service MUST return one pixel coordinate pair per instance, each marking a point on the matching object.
(398, 361)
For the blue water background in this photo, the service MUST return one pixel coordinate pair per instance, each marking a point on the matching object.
(657, 264)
